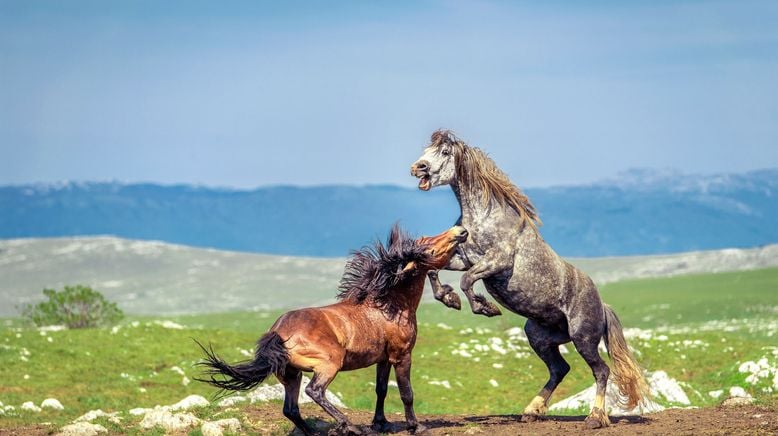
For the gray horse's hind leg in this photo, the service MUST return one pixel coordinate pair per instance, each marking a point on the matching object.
(587, 344)
(545, 341)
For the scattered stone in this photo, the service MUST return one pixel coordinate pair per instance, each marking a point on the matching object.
(738, 397)
(190, 402)
(94, 414)
(30, 406)
(138, 411)
(737, 401)
(231, 401)
(169, 325)
(217, 428)
(82, 429)
(166, 419)
(52, 403)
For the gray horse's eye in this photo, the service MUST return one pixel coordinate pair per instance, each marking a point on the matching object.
(445, 152)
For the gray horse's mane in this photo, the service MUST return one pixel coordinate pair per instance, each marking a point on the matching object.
(475, 169)
(373, 273)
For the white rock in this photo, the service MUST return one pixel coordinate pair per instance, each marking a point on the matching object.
(94, 414)
(231, 401)
(82, 429)
(169, 325)
(716, 393)
(30, 406)
(738, 392)
(168, 420)
(138, 411)
(659, 383)
(217, 428)
(493, 382)
(737, 401)
(52, 403)
(190, 402)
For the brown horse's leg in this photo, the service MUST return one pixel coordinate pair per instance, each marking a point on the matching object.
(323, 375)
(380, 424)
(291, 381)
(444, 293)
(545, 341)
(402, 370)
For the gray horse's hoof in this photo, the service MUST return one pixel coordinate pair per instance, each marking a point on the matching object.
(597, 419)
(484, 307)
(530, 417)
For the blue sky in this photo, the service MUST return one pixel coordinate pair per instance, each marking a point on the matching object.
(245, 94)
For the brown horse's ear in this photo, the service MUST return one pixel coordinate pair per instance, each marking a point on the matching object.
(409, 269)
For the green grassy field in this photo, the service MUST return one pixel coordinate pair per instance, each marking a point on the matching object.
(698, 329)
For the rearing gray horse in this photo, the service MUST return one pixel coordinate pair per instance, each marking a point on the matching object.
(525, 275)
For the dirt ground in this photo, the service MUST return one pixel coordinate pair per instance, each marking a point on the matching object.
(719, 420)
(750, 420)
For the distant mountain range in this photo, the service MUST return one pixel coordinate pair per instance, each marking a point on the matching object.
(639, 212)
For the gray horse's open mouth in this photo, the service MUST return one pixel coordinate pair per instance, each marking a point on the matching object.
(424, 182)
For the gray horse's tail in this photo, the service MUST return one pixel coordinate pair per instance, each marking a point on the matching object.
(271, 357)
(627, 375)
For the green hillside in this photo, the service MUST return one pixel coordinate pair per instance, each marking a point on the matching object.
(698, 329)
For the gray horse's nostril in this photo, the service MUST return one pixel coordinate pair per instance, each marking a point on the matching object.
(421, 166)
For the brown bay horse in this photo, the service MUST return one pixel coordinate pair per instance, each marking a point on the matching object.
(523, 273)
(373, 323)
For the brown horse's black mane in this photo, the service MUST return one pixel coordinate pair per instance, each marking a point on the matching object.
(374, 272)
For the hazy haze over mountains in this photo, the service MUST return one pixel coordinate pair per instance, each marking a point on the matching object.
(639, 212)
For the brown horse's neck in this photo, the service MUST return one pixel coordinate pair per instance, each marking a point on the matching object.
(409, 298)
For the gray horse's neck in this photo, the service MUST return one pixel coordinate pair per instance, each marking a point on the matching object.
(477, 217)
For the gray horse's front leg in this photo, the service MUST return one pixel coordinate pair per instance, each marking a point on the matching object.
(444, 293)
(478, 303)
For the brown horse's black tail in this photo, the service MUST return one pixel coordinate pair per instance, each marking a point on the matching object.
(271, 357)
(627, 375)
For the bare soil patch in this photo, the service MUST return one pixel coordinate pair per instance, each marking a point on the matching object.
(713, 420)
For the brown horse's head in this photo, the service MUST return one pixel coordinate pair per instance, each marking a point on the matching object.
(440, 248)
(380, 273)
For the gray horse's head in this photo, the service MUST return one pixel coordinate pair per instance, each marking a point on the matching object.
(437, 166)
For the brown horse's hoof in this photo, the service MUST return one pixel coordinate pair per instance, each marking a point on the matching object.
(597, 419)
(345, 430)
(417, 429)
(382, 427)
(451, 299)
